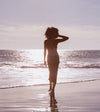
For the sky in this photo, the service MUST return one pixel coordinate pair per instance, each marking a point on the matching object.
(23, 23)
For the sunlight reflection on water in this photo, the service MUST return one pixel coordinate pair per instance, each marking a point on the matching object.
(25, 67)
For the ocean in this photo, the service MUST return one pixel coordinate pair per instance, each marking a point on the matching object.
(21, 68)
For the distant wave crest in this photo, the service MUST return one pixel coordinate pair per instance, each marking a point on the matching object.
(82, 66)
(45, 66)
(65, 66)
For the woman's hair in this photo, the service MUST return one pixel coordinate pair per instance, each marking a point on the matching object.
(51, 32)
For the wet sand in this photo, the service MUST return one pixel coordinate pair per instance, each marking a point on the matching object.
(71, 97)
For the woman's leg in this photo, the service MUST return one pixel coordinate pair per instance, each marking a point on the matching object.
(53, 69)
(53, 88)
(50, 86)
(50, 76)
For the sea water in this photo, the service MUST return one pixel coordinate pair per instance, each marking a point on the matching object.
(26, 67)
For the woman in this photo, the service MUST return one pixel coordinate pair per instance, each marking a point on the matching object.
(50, 44)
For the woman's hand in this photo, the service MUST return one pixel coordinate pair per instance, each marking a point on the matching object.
(64, 37)
(44, 62)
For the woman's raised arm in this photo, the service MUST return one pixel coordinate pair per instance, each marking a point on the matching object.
(63, 38)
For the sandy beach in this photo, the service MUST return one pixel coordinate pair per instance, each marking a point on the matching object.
(70, 97)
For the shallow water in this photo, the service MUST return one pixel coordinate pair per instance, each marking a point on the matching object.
(25, 67)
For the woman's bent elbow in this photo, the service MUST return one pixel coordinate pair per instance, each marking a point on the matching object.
(67, 38)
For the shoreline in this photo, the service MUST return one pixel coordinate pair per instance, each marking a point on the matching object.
(48, 84)
(71, 97)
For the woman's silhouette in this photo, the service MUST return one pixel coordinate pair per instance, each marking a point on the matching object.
(50, 44)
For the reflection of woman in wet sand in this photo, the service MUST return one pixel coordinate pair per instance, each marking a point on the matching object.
(53, 58)
(53, 103)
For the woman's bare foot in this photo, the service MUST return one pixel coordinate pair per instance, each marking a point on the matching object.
(49, 89)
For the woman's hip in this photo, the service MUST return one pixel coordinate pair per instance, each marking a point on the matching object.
(53, 60)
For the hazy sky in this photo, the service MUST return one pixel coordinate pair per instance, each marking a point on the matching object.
(23, 23)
